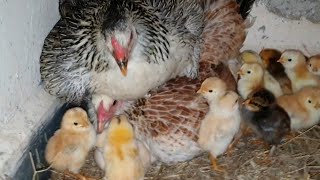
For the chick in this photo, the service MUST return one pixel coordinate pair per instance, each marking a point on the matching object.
(303, 107)
(314, 65)
(276, 69)
(295, 66)
(216, 88)
(267, 119)
(250, 56)
(126, 159)
(252, 77)
(219, 125)
(68, 148)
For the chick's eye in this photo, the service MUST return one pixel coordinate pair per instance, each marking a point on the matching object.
(210, 91)
(75, 123)
(248, 72)
(236, 101)
(289, 60)
(310, 65)
(309, 101)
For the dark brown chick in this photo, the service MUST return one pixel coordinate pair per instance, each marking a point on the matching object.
(276, 69)
(265, 117)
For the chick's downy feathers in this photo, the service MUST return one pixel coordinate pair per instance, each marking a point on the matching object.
(68, 148)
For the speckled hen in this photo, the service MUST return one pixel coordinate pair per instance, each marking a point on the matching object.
(120, 48)
(168, 120)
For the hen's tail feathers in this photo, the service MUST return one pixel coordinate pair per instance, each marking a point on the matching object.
(245, 7)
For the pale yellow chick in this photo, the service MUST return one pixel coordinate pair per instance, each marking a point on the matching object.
(303, 107)
(295, 66)
(252, 77)
(68, 148)
(216, 88)
(314, 65)
(220, 125)
(123, 157)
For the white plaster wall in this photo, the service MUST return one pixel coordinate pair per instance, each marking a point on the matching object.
(23, 104)
(25, 23)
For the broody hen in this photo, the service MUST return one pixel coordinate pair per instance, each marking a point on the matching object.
(168, 120)
(120, 48)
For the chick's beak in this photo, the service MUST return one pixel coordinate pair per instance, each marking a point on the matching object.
(123, 67)
(317, 106)
(246, 102)
(281, 60)
(240, 72)
(200, 91)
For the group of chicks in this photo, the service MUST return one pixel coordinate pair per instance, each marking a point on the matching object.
(70, 145)
(278, 92)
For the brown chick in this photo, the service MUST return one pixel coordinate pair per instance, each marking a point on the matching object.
(296, 69)
(220, 125)
(314, 64)
(68, 148)
(252, 78)
(276, 69)
(121, 153)
(303, 107)
(267, 119)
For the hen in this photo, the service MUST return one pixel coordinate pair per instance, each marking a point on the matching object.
(120, 48)
(168, 120)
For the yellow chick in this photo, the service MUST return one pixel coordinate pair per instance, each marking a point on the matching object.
(220, 125)
(303, 107)
(126, 159)
(68, 148)
(215, 86)
(314, 64)
(252, 77)
(295, 66)
(250, 56)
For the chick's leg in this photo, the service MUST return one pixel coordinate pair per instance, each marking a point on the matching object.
(214, 164)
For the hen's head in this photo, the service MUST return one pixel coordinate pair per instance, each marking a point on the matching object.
(120, 34)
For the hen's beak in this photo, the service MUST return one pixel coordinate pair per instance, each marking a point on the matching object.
(240, 72)
(317, 106)
(123, 67)
(281, 60)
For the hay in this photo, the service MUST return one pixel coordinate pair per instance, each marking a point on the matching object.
(296, 158)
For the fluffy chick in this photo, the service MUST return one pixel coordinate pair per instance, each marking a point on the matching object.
(219, 125)
(252, 77)
(303, 107)
(314, 64)
(68, 148)
(125, 161)
(216, 88)
(267, 119)
(295, 66)
(270, 57)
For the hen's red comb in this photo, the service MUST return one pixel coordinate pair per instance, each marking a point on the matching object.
(118, 50)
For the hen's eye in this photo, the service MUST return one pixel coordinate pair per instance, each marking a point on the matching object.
(289, 60)
(210, 91)
(75, 123)
(248, 72)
